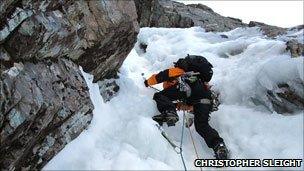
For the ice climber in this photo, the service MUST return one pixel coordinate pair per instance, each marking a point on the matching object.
(188, 81)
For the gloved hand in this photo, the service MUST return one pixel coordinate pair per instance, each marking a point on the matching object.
(146, 83)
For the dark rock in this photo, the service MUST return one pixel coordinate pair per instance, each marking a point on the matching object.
(224, 36)
(98, 35)
(268, 30)
(13, 19)
(108, 89)
(285, 99)
(143, 47)
(235, 19)
(295, 48)
(4, 56)
(143, 9)
(201, 6)
(166, 13)
(44, 106)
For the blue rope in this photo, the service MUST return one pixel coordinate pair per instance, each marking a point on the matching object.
(181, 142)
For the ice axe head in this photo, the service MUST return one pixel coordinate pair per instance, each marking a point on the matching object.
(143, 76)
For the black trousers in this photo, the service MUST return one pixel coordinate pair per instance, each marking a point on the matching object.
(201, 111)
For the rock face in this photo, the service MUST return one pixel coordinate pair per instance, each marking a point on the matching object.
(44, 100)
(108, 89)
(95, 34)
(268, 30)
(285, 99)
(296, 49)
(43, 107)
(166, 13)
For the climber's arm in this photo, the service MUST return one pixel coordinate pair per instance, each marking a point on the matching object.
(165, 75)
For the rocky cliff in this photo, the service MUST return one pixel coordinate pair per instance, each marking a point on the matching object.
(166, 13)
(44, 105)
(44, 100)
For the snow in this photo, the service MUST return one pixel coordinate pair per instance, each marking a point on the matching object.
(122, 134)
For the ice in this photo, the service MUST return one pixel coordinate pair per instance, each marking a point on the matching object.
(122, 134)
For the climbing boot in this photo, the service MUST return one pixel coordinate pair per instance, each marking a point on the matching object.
(220, 151)
(170, 117)
(160, 119)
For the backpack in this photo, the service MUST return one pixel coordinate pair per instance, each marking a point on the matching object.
(196, 63)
